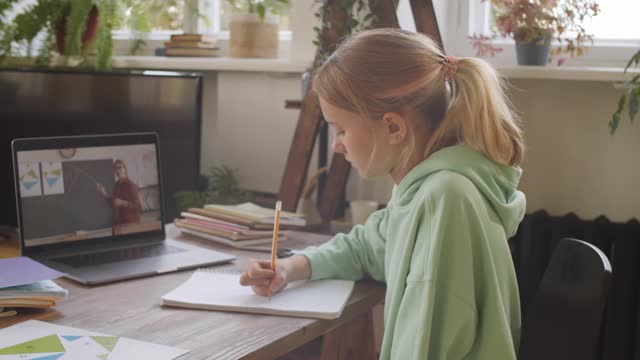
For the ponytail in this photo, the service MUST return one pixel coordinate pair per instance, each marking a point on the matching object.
(480, 115)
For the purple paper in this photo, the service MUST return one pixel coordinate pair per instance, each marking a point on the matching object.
(22, 270)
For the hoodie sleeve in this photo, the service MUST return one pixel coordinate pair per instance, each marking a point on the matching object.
(352, 256)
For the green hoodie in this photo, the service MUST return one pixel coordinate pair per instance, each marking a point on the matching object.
(441, 247)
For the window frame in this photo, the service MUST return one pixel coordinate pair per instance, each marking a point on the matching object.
(472, 16)
(123, 38)
(192, 24)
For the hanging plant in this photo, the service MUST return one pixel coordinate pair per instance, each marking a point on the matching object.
(631, 98)
(358, 16)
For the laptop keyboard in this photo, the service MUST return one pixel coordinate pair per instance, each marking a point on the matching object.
(117, 255)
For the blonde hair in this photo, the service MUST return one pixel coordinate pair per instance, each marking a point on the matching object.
(390, 70)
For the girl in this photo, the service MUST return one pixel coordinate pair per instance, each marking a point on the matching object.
(443, 129)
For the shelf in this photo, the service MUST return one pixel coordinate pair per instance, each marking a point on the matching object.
(208, 64)
(580, 73)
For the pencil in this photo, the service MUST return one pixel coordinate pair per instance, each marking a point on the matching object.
(274, 242)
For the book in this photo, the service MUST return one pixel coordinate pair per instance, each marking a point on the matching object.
(30, 303)
(212, 290)
(225, 226)
(244, 245)
(42, 289)
(187, 214)
(191, 52)
(190, 44)
(252, 212)
(194, 37)
(43, 293)
(231, 235)
(231, 219)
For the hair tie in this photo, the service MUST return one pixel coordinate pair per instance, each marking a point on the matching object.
(450, 67)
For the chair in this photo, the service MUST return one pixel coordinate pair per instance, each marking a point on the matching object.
(564, 319)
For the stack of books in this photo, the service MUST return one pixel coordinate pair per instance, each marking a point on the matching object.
(28, 285)
(38, 294)
(238, 226)
(191, 45)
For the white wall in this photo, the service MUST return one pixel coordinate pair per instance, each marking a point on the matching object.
(248, 128)
(572, 163)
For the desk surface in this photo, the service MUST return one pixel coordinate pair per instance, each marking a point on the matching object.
(132, 309)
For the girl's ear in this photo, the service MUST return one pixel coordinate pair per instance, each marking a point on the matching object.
(396, 127)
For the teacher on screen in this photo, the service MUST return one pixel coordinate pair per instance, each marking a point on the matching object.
(124, 200)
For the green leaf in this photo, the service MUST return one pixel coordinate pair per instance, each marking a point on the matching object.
(76, 25)
(633, 105)
(634, 59)
(621, 102)
(190, 199)
(104, 43)
(613, 124)
(261, 10)
(615, 119)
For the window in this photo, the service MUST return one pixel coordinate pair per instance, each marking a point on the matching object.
(218, 15)
(167, 17)
(225, 16)
(617, 20)
(161, 15)
(616, 36)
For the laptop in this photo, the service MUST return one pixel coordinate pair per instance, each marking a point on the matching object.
(92, 207)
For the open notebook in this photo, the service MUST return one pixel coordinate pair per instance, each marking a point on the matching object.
(211, 290)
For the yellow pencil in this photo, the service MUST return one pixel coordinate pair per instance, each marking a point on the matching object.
(274, 243)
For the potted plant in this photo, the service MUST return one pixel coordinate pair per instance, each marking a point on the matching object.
(254, 27)
(222, 188)
(64, 32)
(533, 24)
(631, 97)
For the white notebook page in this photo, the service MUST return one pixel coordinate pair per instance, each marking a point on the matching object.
(212, 290)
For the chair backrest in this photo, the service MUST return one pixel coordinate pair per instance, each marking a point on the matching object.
(564, 319)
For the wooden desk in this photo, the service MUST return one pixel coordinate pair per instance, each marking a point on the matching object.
(132, 309)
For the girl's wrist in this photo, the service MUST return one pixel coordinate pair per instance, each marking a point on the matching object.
(297, 267)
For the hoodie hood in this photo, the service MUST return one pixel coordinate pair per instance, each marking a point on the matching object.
(498, 183)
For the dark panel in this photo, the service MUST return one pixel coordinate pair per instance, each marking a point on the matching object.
(621, 326)
(536, 239)
(58, 103)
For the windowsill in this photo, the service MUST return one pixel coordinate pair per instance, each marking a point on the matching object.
(209, 64)
(580, 73)
(584, 73)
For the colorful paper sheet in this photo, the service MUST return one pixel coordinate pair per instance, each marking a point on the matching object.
(37, 340)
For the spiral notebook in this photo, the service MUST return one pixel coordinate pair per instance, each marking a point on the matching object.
(213, 290)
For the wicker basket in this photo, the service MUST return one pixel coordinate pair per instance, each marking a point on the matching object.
(253, 38)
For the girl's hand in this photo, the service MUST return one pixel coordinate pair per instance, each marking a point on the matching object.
(262, 279)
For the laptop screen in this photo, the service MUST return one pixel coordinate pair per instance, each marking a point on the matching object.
(82, 193)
